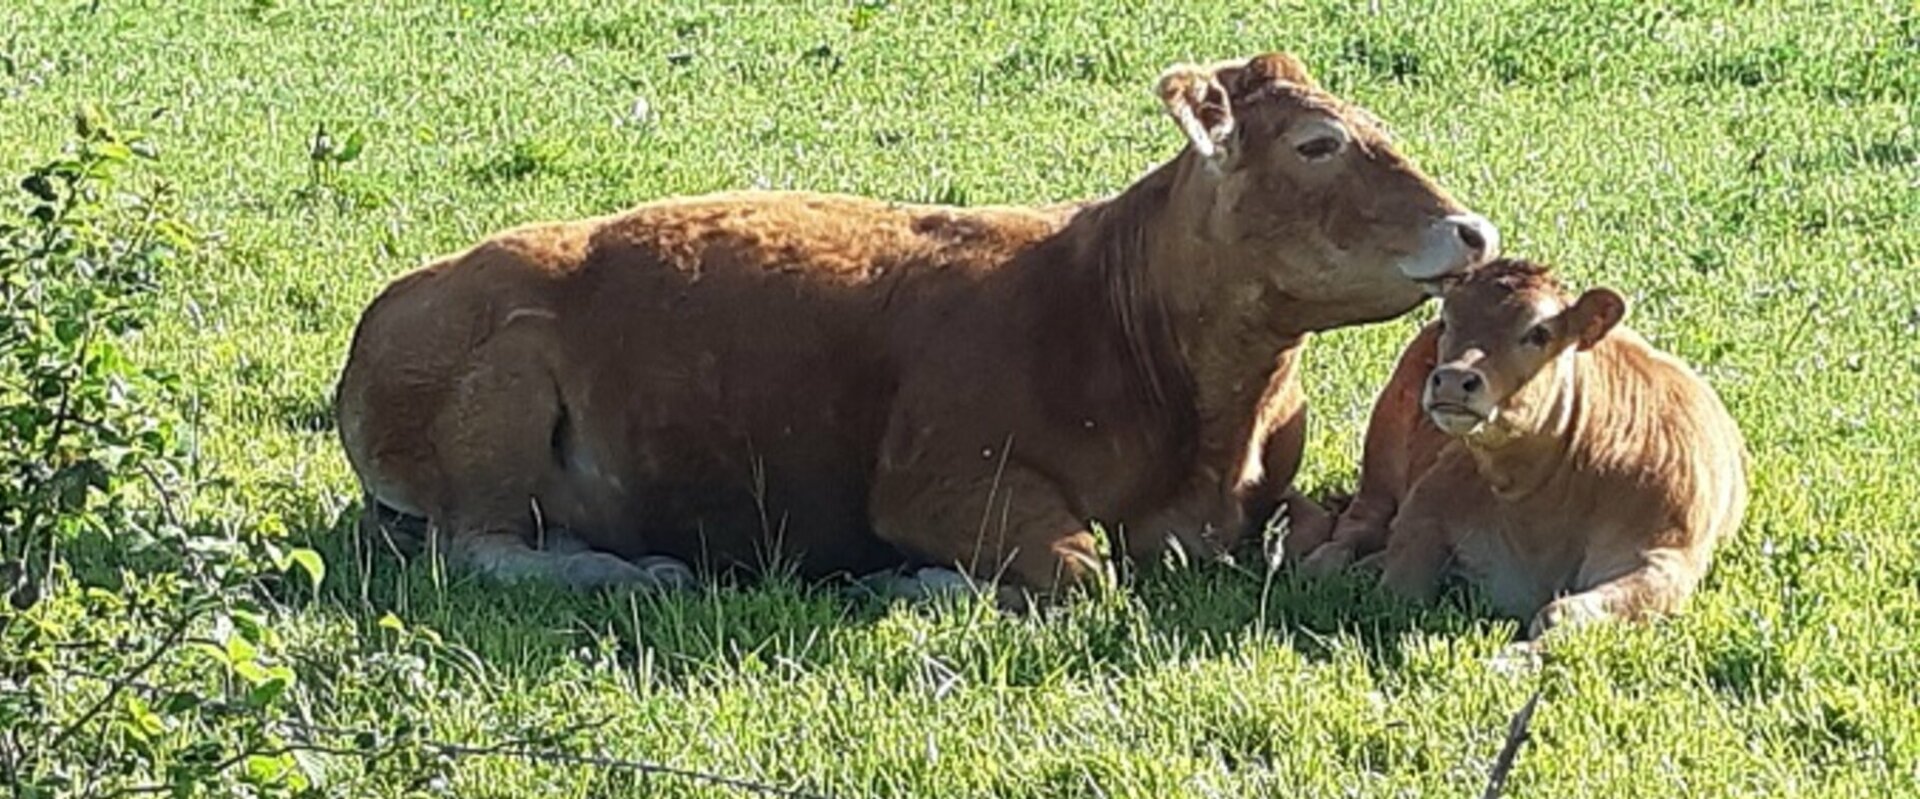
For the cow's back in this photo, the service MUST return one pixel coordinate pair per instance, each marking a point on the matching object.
(719, 369)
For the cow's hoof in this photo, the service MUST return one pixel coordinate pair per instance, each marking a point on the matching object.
(667, 572)
(933, 583)
(588, 571)
(560, 541)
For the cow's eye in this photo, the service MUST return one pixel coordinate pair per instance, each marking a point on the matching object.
(1319, 147)
(1539, 336)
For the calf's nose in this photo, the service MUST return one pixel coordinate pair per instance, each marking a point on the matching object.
(1457, 384)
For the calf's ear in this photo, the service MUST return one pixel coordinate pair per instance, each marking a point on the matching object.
(1594, 315)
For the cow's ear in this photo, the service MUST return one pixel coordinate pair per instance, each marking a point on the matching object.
(1202, 99)
(1197, 101)
(1594, 315)
(1246, 76)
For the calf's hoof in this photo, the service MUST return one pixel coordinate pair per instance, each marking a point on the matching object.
(1519, 657)
(1309, 528)
(1568, 611)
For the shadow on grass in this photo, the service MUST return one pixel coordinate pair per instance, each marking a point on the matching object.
(781, 623)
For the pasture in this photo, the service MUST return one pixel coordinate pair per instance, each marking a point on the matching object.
(1747, 174)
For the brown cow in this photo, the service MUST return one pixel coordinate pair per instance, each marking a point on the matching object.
(1553, 457)
(843, 384)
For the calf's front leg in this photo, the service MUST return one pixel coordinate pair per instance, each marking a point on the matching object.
(1361, 529)
(1415, 559)
(1400, 446)
(1655, 582)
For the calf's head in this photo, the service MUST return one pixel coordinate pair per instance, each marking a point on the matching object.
(1290, 188)
(1509, 333)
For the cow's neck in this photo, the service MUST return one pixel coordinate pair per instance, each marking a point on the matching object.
(1526, 449)
(1197, 339)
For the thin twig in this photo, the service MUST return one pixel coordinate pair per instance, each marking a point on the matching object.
(520, 748)
(279, 751)
(160, 487)
(643, 767)
(1516, 735)
(167, 645)
(15, 758)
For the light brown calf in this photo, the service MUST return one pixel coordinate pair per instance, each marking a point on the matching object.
(1549, 455)
(847, 384)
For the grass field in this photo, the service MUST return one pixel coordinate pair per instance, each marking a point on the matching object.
(1747, 173)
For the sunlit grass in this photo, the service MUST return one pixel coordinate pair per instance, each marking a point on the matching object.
(1748, 174)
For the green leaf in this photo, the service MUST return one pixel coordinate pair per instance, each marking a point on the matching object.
(248, 624)
(86, 121)
(114, 150)
(267, 770)
(251, 671)
(141, 719)
(218, 654)
(241, 652)
(180, 702)
(355, 143)
(104, 599)
(393, 623)
(271, 526)
(307, 559)
(272, 685)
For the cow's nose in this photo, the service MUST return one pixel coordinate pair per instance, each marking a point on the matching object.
(1457, 384)
(1480, 236)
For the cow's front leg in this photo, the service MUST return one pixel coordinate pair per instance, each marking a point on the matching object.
(508, 557)
(1009, 524)
(1204, 523)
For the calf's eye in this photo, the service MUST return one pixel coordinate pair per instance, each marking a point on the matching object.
(1538, 337)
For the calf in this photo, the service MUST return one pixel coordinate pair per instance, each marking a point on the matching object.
(843, 384)
(1535, 446)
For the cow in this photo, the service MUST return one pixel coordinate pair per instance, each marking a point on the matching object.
(1532, 444)
(837, 385)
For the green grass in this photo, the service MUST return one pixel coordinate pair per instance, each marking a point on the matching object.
(1747, 173)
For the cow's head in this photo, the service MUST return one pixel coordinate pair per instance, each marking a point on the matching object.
(1509, 331)
(1301, 190)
